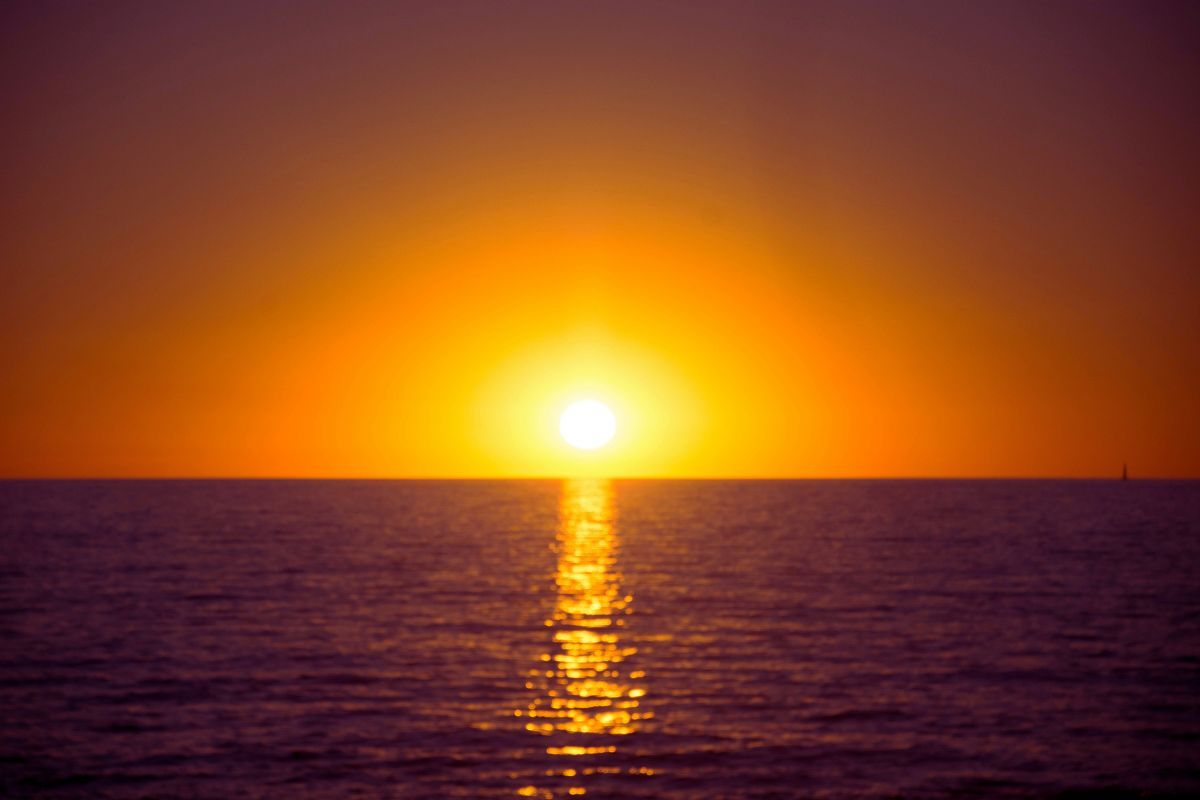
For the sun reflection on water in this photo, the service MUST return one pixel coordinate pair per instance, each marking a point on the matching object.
(585, 696)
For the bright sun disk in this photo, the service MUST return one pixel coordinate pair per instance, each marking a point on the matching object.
(587, 424)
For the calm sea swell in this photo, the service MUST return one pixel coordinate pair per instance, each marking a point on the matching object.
(673, 639)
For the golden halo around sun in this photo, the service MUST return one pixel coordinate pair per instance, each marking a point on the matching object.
(587, 424)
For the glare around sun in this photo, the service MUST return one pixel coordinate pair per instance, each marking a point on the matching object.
(587, 424)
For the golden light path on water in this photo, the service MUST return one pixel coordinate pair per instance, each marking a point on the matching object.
(586, 699)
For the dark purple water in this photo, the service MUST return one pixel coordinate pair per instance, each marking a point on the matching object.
(684, 639)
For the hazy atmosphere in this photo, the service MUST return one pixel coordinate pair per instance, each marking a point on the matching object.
(777, 239)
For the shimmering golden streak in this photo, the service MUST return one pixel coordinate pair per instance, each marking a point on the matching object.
(583, 688)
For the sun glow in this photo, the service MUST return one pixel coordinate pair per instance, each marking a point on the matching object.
(587, 424)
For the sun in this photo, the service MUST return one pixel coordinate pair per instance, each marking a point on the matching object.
(587, 424)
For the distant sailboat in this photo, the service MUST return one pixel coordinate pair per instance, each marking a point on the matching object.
(1124, 472)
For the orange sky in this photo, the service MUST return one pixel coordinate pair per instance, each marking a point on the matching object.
(779, 239)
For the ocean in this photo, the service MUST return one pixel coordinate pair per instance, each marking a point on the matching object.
(625, 639)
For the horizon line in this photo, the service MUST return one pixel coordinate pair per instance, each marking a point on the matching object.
(429, 478)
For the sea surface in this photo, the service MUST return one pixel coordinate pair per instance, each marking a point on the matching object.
(627, 639)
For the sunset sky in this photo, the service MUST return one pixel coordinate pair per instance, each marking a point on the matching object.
(778, 239)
